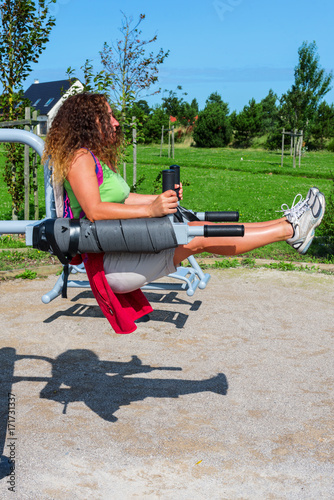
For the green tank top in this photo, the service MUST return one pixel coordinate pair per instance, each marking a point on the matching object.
(112, 187)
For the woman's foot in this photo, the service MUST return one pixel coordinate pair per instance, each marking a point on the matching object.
(305, 217)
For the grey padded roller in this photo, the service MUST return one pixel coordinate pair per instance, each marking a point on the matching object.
(133, 235)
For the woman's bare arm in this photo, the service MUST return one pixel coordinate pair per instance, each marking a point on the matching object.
(83, 180)
(146, 199)
(140, 199)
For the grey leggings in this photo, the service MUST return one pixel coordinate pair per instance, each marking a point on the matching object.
(126, 272)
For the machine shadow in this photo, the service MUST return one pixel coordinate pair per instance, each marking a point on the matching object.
(179, 319)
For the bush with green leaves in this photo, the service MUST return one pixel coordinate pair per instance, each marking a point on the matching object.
(269, 113)
(327, 225)
(274, 139)
(213, 128)
(330, 146)
(322, 127)
(151, 130)
(248, 124)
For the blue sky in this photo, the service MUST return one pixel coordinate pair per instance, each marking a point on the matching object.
(238, 48)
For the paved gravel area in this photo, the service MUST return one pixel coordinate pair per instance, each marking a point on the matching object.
(225, 395)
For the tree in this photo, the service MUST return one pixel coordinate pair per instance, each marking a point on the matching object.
(151, 131)
(141, 110)
(24, 32)
(187, 114)
(213, 128)
(143, 105)
(248, 124)
(132, 69)
(92, 82)
(322, 127)
(269, 112)
(214, 98)
(172, 104)
(301, 102)
(177, 107)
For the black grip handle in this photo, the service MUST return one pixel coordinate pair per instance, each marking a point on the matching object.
(168, 180)
(176, 170)
(222, 216)
(230, 230)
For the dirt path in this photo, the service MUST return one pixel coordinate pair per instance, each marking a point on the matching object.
(228, 394)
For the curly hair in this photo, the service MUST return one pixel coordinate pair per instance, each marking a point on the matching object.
(82, 121)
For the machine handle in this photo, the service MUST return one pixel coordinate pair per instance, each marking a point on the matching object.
(168, 180)
(177, 179)
(222, 216)
(230, 230)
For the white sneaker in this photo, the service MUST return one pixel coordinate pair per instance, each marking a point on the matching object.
(311, 195)
(305, 216)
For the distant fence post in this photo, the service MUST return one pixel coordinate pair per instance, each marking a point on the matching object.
(134, 141)
(282, 147)
(300, 147)
(162, 139)
(169, 140)
(295, 145)
(173, 142)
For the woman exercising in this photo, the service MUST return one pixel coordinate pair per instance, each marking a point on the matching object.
(83, 143)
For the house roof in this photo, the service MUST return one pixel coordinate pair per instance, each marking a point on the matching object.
(43, 96)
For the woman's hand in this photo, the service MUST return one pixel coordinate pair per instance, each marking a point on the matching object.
(164, 204)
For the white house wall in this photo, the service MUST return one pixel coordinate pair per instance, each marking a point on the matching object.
(74, 89)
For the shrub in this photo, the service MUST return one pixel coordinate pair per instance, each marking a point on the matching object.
(328, 221)
(330, 146)
(247, 124)
(213, 128)
(151, 131)
(274, 140)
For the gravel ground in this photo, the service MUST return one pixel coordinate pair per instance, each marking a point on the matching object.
(225, 395)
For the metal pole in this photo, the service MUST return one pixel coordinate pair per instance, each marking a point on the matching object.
(26, 168)
(282, 146)
(34, 173)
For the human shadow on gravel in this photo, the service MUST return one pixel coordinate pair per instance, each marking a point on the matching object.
(104, 386)
(179, 319)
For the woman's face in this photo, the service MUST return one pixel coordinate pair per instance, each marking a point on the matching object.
(113, 120)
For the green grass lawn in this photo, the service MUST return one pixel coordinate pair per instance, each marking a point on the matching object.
(250, 181)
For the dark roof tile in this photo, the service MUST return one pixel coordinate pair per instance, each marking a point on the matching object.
(43, 96)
